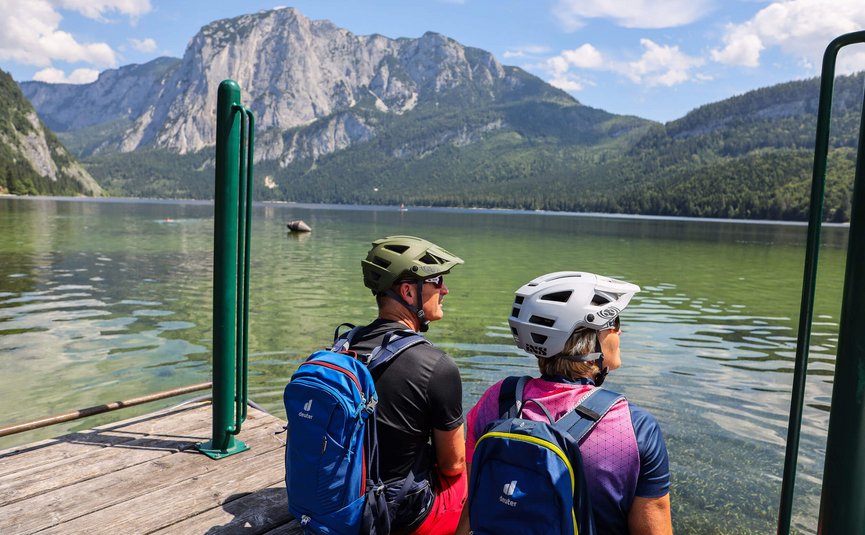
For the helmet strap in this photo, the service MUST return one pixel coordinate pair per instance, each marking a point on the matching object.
(417, 310)
(599, 379)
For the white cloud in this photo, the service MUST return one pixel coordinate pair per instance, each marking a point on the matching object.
(799, 28)
(96, 9)
(525, 51)
(56, 76)
(567, 84)
(557, 65)
(658, 65)
(31, 34)
(585, 57)
(572, 14)
(143, 45)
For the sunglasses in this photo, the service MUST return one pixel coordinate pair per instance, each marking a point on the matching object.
(613, 324)
(437, 281)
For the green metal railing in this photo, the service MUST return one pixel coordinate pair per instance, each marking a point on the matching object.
(232, 222)
(842, 503)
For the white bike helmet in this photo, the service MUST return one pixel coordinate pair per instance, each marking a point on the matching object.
(548, 309)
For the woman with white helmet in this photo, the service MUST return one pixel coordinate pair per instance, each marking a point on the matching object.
(570, 322)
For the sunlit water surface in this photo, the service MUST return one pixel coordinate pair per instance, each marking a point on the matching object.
(107, 300)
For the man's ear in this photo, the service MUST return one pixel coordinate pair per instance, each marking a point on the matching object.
(406, 292)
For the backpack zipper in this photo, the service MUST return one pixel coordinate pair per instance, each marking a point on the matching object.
(342, 370)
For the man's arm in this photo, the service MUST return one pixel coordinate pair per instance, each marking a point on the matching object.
(450, 448)
(463, 526)
(650, 516)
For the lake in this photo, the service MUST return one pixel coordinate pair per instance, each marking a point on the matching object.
(104, 300)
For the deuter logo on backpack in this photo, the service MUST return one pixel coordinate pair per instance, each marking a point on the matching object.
(508, 491)
(305, 413)
(527, 476)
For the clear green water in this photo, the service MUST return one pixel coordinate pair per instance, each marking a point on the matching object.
(102, 301)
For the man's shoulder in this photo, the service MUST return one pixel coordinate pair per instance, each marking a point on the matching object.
(371, 336)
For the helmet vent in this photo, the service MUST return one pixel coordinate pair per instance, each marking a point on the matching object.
(379, 261)
(539, 338)
(518, 300)
(430, 259)
(398, 249)
(538, 320)
(515, 312)
(599, 300)
(559, 297)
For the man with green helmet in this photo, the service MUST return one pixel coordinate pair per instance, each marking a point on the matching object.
(419, 413)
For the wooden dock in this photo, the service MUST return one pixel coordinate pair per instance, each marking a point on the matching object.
(143, 475)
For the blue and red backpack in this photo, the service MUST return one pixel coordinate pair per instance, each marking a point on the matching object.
(331, 455)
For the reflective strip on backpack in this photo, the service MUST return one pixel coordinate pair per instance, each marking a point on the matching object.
(543, 443)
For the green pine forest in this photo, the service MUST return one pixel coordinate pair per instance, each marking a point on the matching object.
(17, 176)
(749, 156)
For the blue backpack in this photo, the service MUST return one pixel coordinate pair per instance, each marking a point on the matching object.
(527, 476)
(331, 456)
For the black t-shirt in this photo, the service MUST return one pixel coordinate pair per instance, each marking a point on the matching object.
(418, 391)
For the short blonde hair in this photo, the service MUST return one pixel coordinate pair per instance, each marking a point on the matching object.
(581, 342)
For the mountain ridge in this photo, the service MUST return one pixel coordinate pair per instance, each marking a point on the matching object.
(369, 119)
(32, 160)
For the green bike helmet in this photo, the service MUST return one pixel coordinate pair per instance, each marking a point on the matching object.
(404, 257)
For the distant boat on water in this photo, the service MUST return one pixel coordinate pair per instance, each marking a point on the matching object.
(402, 208)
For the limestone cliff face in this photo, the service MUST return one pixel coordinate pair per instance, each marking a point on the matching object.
(32, 161)
(306, 81)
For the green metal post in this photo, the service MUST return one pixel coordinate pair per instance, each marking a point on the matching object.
(842, 503)
(843, 474)
(225, 274)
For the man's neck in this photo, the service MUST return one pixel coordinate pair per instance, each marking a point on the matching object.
(400, 316)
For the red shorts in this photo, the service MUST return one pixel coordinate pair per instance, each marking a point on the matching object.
(448, 505)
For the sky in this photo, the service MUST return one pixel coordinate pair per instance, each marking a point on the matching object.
(656, 59)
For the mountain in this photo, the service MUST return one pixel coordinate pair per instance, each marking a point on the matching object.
(320, 92)
(96, 117)
(294, 72)
(32, 160)
(369, 119)
(748, 156)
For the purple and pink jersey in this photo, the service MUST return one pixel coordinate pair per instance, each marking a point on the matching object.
(624, 455)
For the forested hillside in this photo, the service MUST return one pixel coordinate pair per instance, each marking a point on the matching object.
(428, 121)
(32, 160)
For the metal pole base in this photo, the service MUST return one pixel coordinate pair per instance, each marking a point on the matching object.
(207, 448)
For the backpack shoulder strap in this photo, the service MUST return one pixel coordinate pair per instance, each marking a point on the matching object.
(341, 342)
(511, 396)
(585, 416)
(394, 343)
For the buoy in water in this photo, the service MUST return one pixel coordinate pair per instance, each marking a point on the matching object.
(297, 225)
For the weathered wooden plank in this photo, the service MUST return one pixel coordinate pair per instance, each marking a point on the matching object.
(249, 514)
(162, 507)
(68, 503)
(162, 423)
(54, 474)
(193, 425)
